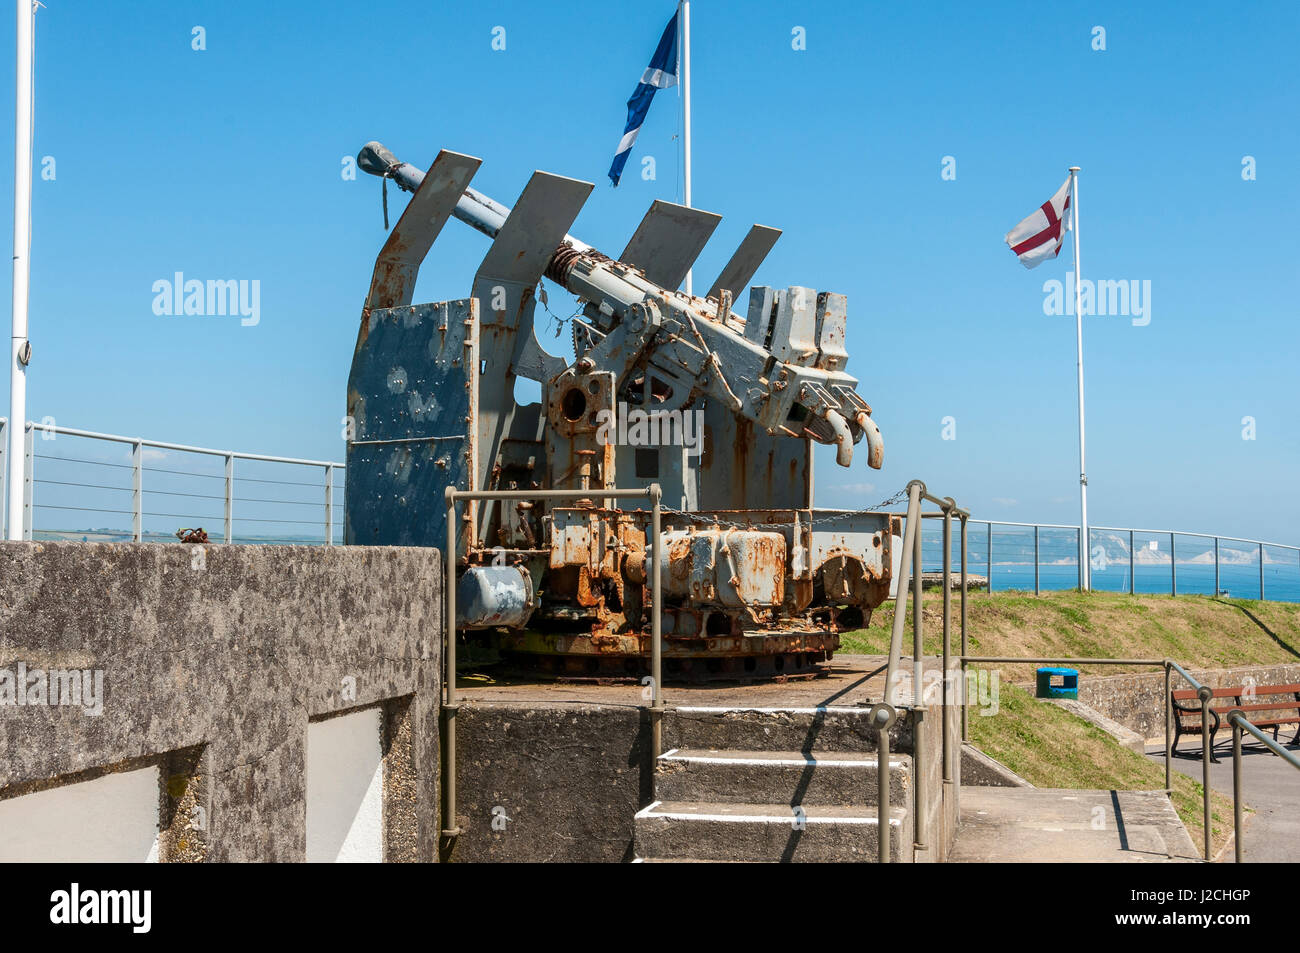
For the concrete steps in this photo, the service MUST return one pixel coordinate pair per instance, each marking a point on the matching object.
(779, 777)
(717, 831)
(774, 785)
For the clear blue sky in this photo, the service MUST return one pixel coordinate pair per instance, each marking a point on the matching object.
(225, 163)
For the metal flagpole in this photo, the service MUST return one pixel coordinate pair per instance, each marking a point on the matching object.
(684, 25)
(1085, 568)
(20, 351)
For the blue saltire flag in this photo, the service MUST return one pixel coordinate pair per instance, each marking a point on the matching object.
(660, 74)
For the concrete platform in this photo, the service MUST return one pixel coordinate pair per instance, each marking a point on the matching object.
(1048, 825)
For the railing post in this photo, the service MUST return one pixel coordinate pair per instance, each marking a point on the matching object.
(4, 497)
(919, 745)
(29, 479)
(1173, 566)
(137, 490)
(1206, 694)
(882, 718)
(1035, 559)
(1078, 548)
(656, 630)
(990, 557)
(329, 505)
(893, 669)
(1261, 572)
(449, 831)
(965, 645)
(1239, 849)
(1132, 580)
(1216, 567)
(947, 645)
(1169, 732)
(230, 498)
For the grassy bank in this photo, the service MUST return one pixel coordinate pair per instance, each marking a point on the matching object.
(1047, 745)
(1051, 748)
(1192, 630)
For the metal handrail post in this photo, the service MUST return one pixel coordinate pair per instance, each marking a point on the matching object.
(1169, 732)
(947, 646)
(919, 747)
(882, 718)
(965, 646)
(656, 632)
(893, 669)
(1173, 566)
(989, 567)
(1205, 761)
(450, 704)
(1216, 567)
(230, 498)
(1261, 572)
(1238, 848)
(29, 479)
(1035, 560)
(137, 490)
(329, 505)
(1132, 580)
(1078, 544)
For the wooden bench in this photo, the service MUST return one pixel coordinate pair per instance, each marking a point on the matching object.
(1269, 714)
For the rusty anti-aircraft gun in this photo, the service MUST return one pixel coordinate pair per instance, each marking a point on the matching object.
(757, 582)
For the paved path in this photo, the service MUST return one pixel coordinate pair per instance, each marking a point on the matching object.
(1038, 825)
(1270, 786)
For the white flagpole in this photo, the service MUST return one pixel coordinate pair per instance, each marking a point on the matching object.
(684, 26)
(1085, 568)
(16, 428)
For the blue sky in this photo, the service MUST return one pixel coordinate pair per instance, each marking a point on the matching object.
(225, 163)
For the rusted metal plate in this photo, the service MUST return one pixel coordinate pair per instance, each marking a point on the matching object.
(668, 241)
(744, 264)
(398, 265)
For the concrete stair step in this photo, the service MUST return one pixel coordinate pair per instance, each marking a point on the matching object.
(779, 777)
(717, 831)
(825, 728)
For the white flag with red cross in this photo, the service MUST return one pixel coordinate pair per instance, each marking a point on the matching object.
(1040, 236)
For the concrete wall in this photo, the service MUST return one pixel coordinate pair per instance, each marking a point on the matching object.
(550, 782)
(1137, 701)
(210, 662)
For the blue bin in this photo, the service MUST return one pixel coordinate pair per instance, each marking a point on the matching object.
(1058, 683)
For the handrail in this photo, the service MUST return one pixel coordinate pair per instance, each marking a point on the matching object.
(1240, 722)
(450, 705)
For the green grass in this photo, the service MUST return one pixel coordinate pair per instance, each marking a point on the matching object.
(1193, 630)
(1051, 748)
(1048, 746)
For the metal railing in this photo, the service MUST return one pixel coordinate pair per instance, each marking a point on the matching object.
(1045, 556)
(1205, 695)
(450, 830)
(294, 511)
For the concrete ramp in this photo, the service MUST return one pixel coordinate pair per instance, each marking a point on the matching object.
(1049, 825)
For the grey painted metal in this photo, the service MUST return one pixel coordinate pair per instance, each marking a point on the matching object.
(1083, 554)
(229, 514)
(1217, 589)
(490, 596)
(1205, 766)
(1238, 848)
(181, 447)
(29, 483)
(744, 264)
(1173, 566)
(1261, 571)
(1238, 718)
(919, 753)
(1132, 580)
(965, 644)
(137, 491)
(656, 625)
(1169, 742)
(911, 528)
(1035, 560)
(989, 566)
(1046, 660)
(882, 718)
(667, 242)
(329, 506)
(947, 645)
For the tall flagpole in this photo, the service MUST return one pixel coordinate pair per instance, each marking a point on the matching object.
(684, 25)
(1085, 567)
(16, 428)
